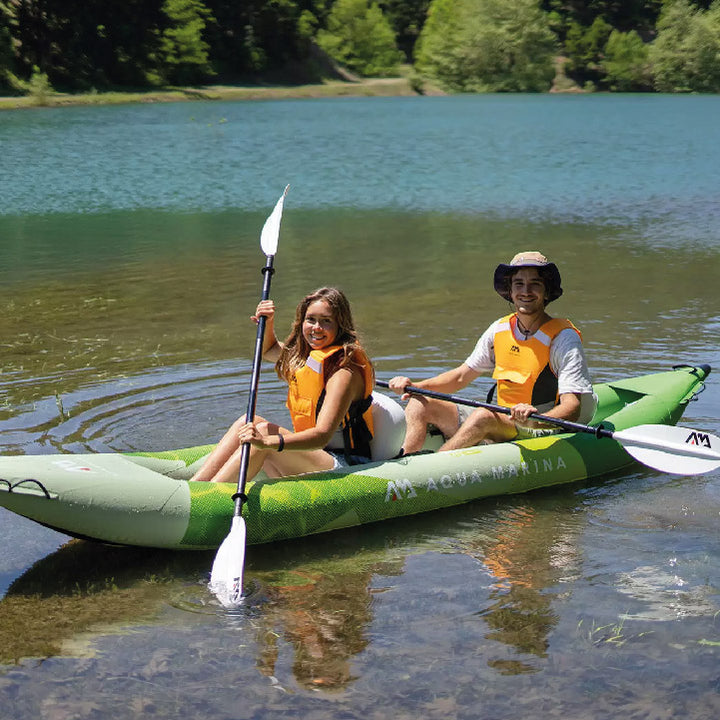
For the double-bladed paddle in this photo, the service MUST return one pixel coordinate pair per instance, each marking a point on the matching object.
(227, 570)
(666, 448)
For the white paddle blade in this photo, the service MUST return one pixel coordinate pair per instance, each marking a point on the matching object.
(671, 449)
(226, 578)
(271, 229)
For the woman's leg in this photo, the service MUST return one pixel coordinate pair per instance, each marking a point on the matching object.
(275, 465)
(297, 462)
(223, 451)
(223, 463)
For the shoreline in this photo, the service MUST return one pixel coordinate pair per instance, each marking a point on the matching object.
(375, 87)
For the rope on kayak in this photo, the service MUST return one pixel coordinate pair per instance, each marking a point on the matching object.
(699, 389)
(694, 371)
(14, 486)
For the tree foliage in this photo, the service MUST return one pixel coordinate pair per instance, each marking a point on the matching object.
(264, 38)
(6, 51)
(183, 53)
(359, 36)
(463, 45)
(584, 48)
(87, 43)
(685, 57)
(625, 63)
(625, 15)
(487, 46)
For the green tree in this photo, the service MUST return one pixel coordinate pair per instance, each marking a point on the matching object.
(685, 57)
(86, 43)
(263, 38)
(7, 63)
(487, 46)
(359, 36)
(585, 50)
(438, 53)
(38, 88)
(626, 62)
(638, 15)
(183, 52)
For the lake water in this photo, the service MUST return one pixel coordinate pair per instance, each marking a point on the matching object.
(129, 266)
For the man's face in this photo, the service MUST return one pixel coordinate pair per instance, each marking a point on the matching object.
(527, 290)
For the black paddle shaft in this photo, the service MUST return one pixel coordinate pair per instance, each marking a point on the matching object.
(568, 425)
(239, 496)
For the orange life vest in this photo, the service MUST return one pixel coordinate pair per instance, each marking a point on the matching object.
(522, 367)
(306, 392)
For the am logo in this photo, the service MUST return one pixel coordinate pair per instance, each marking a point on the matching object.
(698, 438)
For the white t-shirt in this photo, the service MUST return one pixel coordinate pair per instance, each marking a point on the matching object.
(567, 361)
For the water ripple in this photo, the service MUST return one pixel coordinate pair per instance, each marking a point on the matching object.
(160, 409)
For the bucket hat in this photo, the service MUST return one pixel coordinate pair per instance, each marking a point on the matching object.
(548, 271)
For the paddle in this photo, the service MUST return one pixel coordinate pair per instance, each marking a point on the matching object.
(666, 448)
(227, 570)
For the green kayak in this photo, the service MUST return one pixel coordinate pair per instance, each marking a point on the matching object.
(146, 498)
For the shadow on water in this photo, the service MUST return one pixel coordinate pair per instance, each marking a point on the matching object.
(318, 599)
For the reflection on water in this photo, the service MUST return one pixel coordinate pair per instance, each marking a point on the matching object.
(664, 595)
(324, 619)
(79, 588)
(523, 564)
(317, 607)
(507, 588)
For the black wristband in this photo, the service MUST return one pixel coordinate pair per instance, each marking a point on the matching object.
(281, 444)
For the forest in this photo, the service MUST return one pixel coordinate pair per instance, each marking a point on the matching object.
(446, 45)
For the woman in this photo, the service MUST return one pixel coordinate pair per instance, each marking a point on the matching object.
(330, 382)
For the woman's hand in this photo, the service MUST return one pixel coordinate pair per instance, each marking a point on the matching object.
(265, 308)
(249, 433)
(271, 345)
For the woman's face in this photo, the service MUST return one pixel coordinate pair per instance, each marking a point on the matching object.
(319, 326)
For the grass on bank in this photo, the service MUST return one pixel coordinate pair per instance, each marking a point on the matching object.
(374, 87)
(39, 92)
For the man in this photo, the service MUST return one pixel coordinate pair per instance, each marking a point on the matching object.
(538, 362)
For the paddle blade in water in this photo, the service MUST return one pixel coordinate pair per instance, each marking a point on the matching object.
(670, 449)
(226, 578)
(271, 229)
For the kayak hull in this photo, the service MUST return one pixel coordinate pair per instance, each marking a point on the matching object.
(145, 499)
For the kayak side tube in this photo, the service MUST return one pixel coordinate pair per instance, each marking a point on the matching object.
(141, 498)
(280, 509)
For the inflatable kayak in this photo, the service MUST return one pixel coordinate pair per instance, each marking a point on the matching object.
(146, 499)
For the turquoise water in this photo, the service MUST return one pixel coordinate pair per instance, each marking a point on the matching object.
(592, 158)
(129, 266)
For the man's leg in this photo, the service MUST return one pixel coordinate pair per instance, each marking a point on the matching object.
(483, 424)
(419, 413)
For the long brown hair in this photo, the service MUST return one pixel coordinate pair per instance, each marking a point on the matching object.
(296, 349)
